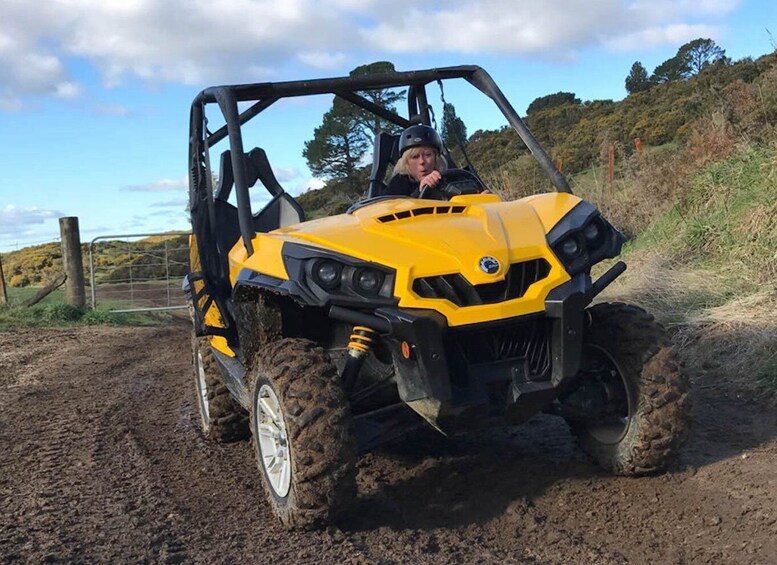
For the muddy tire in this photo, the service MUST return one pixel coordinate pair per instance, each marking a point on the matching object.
(300, 422)
(222, 419)
(648, 405)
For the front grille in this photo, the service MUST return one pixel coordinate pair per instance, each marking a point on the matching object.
(457, 289)
(526, 341)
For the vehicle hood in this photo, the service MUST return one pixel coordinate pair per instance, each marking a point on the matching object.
(427, 238)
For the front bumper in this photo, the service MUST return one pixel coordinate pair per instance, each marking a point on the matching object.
(457, 377)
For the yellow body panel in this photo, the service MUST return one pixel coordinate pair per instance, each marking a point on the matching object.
(421, 238)
(267, 258)
(212, 315)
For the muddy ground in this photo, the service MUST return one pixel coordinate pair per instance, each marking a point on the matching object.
(102, 461)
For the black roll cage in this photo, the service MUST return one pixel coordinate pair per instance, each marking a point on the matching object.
(265, 94)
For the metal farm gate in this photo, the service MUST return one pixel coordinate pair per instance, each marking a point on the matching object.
(138, 272)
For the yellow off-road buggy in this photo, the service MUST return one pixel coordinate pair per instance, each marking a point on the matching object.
(327, 338)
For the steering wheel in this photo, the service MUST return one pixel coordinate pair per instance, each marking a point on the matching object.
(454, 182)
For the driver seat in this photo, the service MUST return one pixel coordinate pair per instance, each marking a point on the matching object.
(386, 152)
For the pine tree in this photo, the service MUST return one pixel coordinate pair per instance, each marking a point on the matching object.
(690, 59)
(347, 131)
(454, 132)
(671, 69)
(384, 97)
(638, 80)
(698, 54)
(338, 144)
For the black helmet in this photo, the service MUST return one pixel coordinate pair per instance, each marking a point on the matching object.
(419, 135)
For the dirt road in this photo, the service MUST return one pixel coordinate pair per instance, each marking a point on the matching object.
(102, 462)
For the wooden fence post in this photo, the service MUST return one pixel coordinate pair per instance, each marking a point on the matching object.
(74, 265)
(3, 294)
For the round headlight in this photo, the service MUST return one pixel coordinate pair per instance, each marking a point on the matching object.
(591, 231)
(570, 247)
(368, 280)
(328, 273)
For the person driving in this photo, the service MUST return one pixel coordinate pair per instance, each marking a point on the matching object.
(420, 163)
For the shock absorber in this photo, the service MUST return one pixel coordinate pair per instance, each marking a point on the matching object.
(359, 348)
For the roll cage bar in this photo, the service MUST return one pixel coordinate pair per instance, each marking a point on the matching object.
(266, 94)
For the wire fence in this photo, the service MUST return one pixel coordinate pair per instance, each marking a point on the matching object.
(138, 272)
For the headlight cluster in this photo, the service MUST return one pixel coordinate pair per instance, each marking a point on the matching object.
(324, 277)
(334, 276)
(584, 238)
(346, 281)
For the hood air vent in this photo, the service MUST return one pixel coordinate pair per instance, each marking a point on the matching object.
(425, 211)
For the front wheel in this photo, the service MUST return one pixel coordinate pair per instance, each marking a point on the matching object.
(629, 374)
(300, 422)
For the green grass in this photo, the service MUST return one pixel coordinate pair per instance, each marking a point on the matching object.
(725, 223)
(53, 311)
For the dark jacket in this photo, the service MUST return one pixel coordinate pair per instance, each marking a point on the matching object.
(401, 185)
(405, 185)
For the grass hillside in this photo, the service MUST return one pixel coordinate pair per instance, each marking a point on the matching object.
(705, 266)
(34, 266)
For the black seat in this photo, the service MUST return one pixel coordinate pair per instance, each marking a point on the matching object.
(281, 210)
(386, 153)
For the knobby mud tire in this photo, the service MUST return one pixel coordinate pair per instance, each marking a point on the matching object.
(659, 401)
(222, 419)
(318, 425)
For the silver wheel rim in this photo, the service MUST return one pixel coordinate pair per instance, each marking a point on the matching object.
(613, 431)
(273, 441)
(202, 392)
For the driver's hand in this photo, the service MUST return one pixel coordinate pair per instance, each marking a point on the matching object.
(431, 180)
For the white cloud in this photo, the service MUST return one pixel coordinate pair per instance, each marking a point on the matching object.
(286, 174)
(17, 221)
(556, 28)
(654, 37)
(203, 42)
(322, 60)
(161, 185)
(307, 184)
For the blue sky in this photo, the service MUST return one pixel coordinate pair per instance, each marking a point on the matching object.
(95, 94)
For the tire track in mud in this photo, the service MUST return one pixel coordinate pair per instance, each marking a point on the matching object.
(103, 462)
(64, 452)
(132, 497)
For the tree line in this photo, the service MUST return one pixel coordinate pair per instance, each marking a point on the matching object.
(699, 81)
(690, 60)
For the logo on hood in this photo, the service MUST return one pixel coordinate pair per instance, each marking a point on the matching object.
(489, 265)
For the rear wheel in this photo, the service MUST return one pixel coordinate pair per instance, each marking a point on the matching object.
(629, 373)
(300, 422)
(222, 419)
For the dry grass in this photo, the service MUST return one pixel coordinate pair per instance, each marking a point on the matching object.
(727, 344)
(734, 346)
(664, 287)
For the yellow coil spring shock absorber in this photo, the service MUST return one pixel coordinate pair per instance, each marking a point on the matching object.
(361, 341)
(359, 347)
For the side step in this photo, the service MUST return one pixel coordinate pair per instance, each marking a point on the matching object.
(234, 374)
